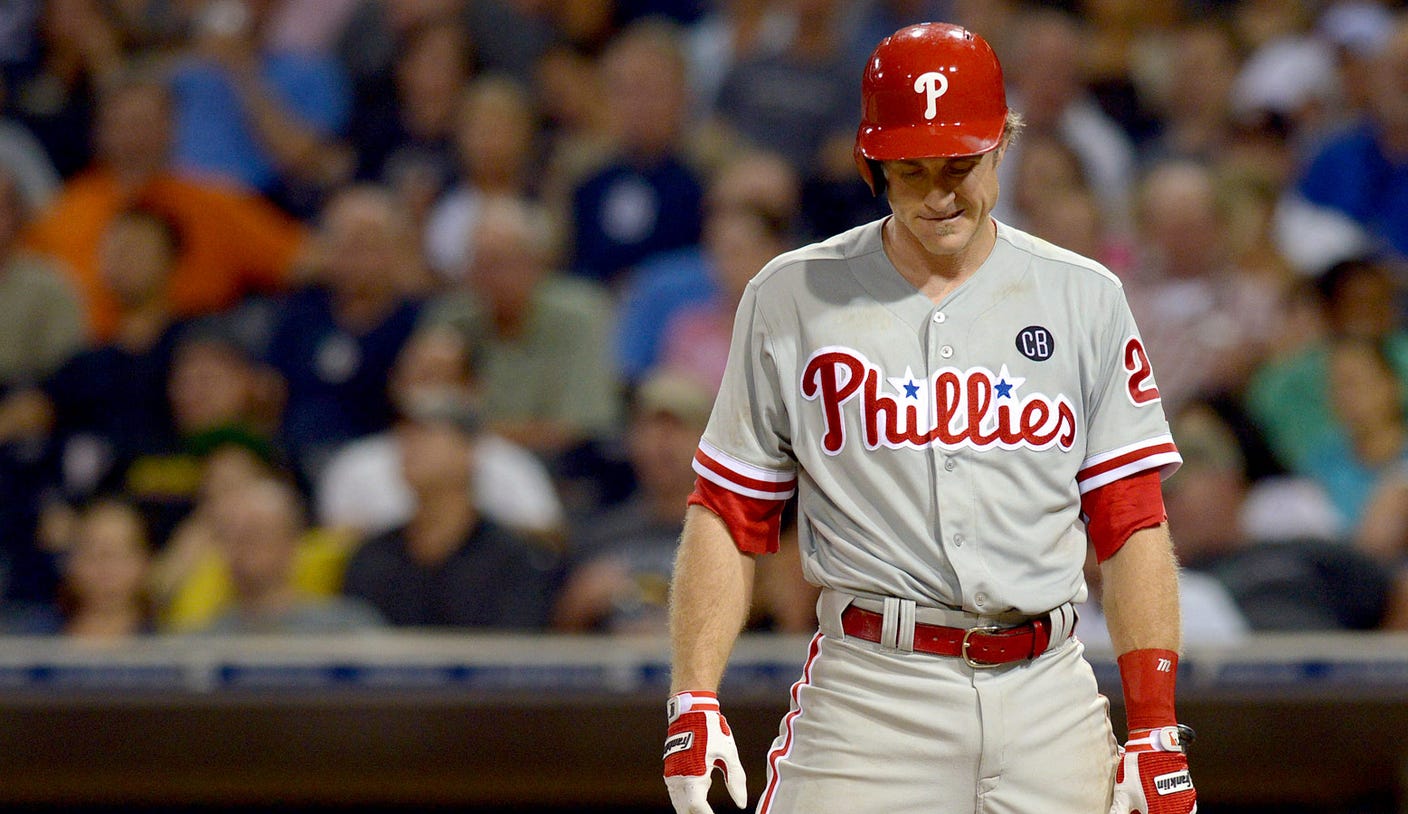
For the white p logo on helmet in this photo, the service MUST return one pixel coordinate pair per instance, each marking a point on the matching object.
(933, 85)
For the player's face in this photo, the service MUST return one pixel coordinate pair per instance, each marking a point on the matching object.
(944, 203)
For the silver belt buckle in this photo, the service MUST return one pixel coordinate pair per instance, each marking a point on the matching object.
(968, 634)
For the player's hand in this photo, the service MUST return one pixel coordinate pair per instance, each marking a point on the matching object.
(1153, 777)
(699, 740)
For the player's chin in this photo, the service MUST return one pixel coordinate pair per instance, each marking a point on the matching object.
(947, 237)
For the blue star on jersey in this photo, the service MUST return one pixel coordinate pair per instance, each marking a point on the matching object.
(1006, 383)
(908, 384)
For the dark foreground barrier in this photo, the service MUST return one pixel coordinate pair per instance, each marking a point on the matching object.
(558, 724)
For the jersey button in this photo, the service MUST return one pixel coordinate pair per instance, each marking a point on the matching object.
(949, 465)
(946, 351)
(980, 600)
(959, 540)
(940, 316)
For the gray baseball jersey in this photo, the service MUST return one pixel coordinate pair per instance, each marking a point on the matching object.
(938, 452)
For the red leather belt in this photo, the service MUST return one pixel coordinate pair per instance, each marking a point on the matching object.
(981, 646)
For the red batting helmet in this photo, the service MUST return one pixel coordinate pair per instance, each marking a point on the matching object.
(929, 90)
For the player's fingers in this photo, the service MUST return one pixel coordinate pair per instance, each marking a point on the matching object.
(699, 798)
(735, 781)
(689, 795)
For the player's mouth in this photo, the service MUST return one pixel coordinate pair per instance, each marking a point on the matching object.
(948, 218)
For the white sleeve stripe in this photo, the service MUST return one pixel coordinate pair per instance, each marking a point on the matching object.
(746, 470)
(719, 480)
(1095, 460)
(1167, 462)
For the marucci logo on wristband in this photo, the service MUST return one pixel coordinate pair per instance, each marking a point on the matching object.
(1172, 783)
(679, 743)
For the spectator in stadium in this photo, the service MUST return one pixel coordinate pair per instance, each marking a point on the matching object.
(1370, 448)
(729, 32)
(74, 50)
(799, 100)
(449, 566)
(371, 37)
(1288, 576)
(1046, 84)
(23, 158)
(1288, 397)
(104, 561)
(1356, 30)
(549, 383)
(232, 243)
(1053, 200)
(645, 195)
(41, 326)
(270, 121)
(406, 138)
(618, 577)
(740, 241)
(1206, 322)
(619, 568)
(218, 395)
(495, 140)
(335, 340)
(575, 119)
(41, 320)
(362, 487)
(1195, 96)
(260, 528)
(103, 595)
(1071, 218)
(1247, 569)
(1362, 173)
(760, 183)
(303, 26)
(1286, 71)
(191, 580)
(108, 403)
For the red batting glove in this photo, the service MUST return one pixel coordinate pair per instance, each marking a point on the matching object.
(1152, 777)
(698, 741)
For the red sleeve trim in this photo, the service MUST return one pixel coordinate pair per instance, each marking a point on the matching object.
(1117, 510)
(734, 475)
(755, 523)
(1156, 453)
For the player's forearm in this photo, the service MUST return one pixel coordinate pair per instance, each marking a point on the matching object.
(1140, 593)
(710, 594)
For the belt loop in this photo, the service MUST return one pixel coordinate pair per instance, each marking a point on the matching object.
(1063, 623)
(897, 627)
(905, 640)
(890, 626)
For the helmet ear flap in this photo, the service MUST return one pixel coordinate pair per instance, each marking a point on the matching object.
(877, 177)
(869, 170)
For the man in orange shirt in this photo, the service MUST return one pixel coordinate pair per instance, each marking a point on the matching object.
(233, 241)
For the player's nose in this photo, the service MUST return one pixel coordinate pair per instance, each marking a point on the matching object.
(941, 199)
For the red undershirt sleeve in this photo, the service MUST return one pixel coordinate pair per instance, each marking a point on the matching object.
(1120, 508)
(755, 523)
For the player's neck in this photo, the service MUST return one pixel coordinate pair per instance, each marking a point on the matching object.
(935, 275)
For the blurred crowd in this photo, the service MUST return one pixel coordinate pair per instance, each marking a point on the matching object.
(334, 315)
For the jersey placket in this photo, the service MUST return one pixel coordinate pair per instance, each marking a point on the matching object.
(953, 469)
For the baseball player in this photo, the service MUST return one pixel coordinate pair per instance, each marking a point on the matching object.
(958, 407)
